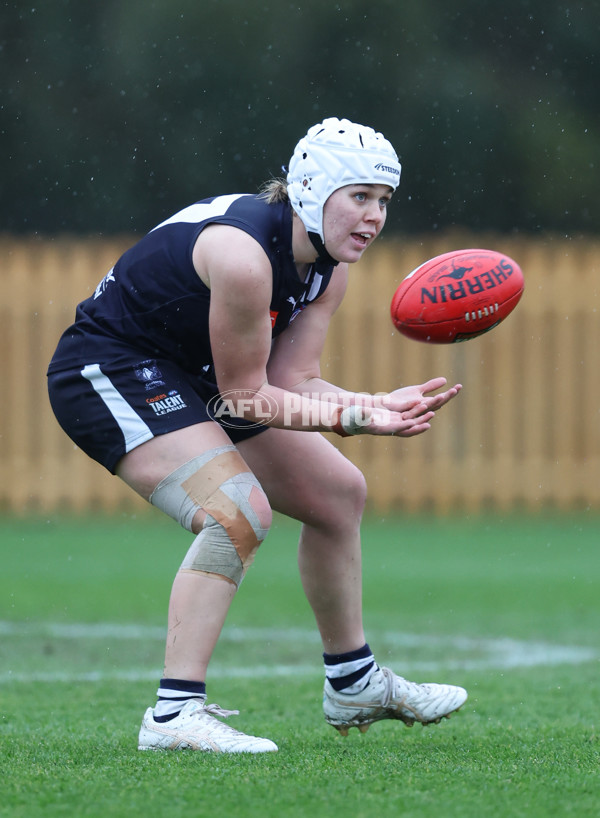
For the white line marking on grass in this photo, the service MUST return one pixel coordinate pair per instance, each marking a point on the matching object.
(145, 675)
(455, 652)
(100, 630)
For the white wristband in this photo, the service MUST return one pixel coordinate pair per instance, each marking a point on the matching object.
(354, 419)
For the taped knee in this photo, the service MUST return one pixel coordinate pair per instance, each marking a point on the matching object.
(232, 531)
(238, 515)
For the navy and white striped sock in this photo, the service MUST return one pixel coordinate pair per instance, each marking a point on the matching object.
(350, 672)
(173, 694)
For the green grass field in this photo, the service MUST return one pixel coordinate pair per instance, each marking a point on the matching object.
(509, 607)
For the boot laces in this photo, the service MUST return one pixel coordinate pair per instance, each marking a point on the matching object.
(215, 710)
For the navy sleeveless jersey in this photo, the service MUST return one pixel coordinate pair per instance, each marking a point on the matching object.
(153, 300)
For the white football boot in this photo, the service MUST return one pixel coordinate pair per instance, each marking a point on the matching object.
(196, 728)
(388, 696)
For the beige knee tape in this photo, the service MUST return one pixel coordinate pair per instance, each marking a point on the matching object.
(219, 483)
(172, 498)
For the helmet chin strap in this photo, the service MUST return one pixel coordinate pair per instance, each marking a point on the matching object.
(319, 246)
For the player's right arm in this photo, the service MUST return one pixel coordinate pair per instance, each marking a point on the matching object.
(238, 273)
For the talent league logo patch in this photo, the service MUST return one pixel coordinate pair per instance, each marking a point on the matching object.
(164, 404)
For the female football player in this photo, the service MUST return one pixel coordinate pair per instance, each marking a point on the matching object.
(193, 374)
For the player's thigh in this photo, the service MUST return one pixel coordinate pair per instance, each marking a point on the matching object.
(306, 477)
(145, 466)
(196, 471)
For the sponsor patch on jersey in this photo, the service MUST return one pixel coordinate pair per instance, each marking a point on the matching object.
(110, 276)
(149, 374)
(297, 312)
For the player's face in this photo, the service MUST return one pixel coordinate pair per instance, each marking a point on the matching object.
(353, 217)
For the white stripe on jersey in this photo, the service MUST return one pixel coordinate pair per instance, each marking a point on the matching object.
(203, 210)
(135, 431)
(315, 287)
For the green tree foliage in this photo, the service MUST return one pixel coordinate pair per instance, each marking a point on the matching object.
(115, 112)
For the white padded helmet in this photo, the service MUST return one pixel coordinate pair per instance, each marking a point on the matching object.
(335, 153)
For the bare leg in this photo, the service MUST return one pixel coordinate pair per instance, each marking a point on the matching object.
(306, 478)
(197, 611)
(199, 604)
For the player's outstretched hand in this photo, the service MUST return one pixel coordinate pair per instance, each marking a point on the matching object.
(415, 401)
(368, 420)
(405, 412)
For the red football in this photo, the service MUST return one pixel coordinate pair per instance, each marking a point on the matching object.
(457, 296)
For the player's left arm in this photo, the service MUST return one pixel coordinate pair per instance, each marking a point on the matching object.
(294, 363)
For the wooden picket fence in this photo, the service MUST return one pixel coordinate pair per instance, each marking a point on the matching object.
(524, 433)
